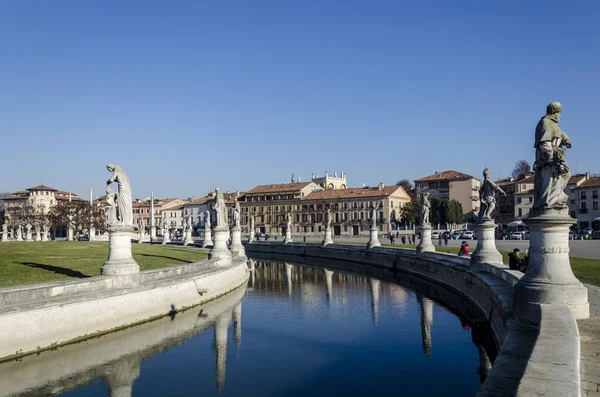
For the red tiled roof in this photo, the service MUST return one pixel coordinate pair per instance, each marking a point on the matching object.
(279, 188)
(575, 179)
(177, 207)
(42, 187)
(450, 175)
(592, 182)
(356, 193)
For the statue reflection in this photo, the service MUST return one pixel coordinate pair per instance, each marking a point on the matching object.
(288, 274)
(485, 364)
(329, 284)
(426, 322)
(220, 344)
(121, 375)
(237, 325)
(375, 286)
(253, 272)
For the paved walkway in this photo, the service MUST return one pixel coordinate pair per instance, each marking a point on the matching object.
(589, 331)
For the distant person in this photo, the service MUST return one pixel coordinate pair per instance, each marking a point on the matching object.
(446, 239)
(403, 240)
(440, 238)
(304, 238)
(515, 262)
(464, 249)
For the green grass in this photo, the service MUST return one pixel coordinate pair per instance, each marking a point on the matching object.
(24, 263)
(586, 270)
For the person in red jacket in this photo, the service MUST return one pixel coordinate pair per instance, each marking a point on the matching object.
(464, 249)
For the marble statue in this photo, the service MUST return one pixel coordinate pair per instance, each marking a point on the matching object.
(252, 227)
(551, 169)
(487, 196)
(189, 222)
(207, 224)
(425, 207)
(328, 218)
(236, 214)
(373, 215)
(121, 200)
(220, 209)
(288, 223)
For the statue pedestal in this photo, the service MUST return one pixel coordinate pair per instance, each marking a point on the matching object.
(327, 240)
(19, 235)
(486, 251)
(207, 239)
(140, 238)
(153, 232)
(425, 244)
(38, 237)
(4, 234)
(166, 237)
(373, 238)
(288, 236)
(28, 236)
(188, 238)
(92, 233)
(44, 235)
(219, 250)
(120, 261)
(236, 247)
(549, 278)
(70, 234)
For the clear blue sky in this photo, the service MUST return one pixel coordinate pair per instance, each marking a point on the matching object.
(191, 95)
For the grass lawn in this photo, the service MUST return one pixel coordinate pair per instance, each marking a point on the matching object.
(40, 262)
(586, 270)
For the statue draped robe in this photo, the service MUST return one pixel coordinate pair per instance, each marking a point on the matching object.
(551, 170)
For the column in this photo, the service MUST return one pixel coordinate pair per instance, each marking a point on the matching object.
(486, 251)
(425, 244)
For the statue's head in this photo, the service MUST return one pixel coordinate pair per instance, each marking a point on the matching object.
(426, 194)
(554, 109)
(486, 173)
(111, 167)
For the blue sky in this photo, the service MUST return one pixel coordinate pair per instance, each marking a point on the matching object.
(191, 95)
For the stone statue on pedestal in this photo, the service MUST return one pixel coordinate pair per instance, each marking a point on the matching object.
(288, 223)
(425, 208)
(487, 196)
(220, 209)
(373, 216)
(328, 218)
(207, 224)
(552, 172)
(236, 214)
(122, 199)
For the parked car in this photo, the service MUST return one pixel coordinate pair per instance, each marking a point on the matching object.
(435, 235)
(596, 234)
(447, 234)
(585, 234)
(468, 235)
(573, 235)
(456, 235)
(516, 236)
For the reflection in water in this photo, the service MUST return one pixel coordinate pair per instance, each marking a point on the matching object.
(426, 322)
(375, 284)
(318, 322)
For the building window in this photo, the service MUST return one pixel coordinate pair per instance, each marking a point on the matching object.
(530, 200)
(595, 205)
(519, 200)
(520, 212)
(345, 228)
(583, 194)
(583, 206)
(594, 194)
(572, 202)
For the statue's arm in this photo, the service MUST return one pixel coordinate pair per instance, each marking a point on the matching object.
(497, 188)
(566, 141)
(546, 151)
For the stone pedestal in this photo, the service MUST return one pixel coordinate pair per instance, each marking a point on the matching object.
(486, 251)
(19, 234)
(166, 237)
(219, 250)
(250, 237)
(425, 245)
(70, 234)
(38, 237)
(327, 240)
(153, 232)
(188, 240)
(373, 238)
(44, 235)
(92, 233)
(4, 233)
(120, 261)
(207, 239)
(288, 236)
(236, 247)
(140, 237)
(549, 278)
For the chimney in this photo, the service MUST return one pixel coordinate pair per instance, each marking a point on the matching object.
(381, 186)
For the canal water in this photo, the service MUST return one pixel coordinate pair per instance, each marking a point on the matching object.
(294, 330)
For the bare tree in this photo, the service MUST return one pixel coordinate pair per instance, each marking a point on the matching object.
(522, 168)
(405, 183)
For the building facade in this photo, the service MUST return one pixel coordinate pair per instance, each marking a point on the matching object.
(452, 185)
(588, 203)
(307, 204)
(142, 209)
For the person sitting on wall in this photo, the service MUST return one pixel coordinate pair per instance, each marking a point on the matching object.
(515, 262)
(464, 249)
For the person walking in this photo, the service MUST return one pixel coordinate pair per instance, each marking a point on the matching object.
(440, 239)
(446, 239)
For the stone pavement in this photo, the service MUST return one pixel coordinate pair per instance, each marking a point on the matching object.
(589, 332)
